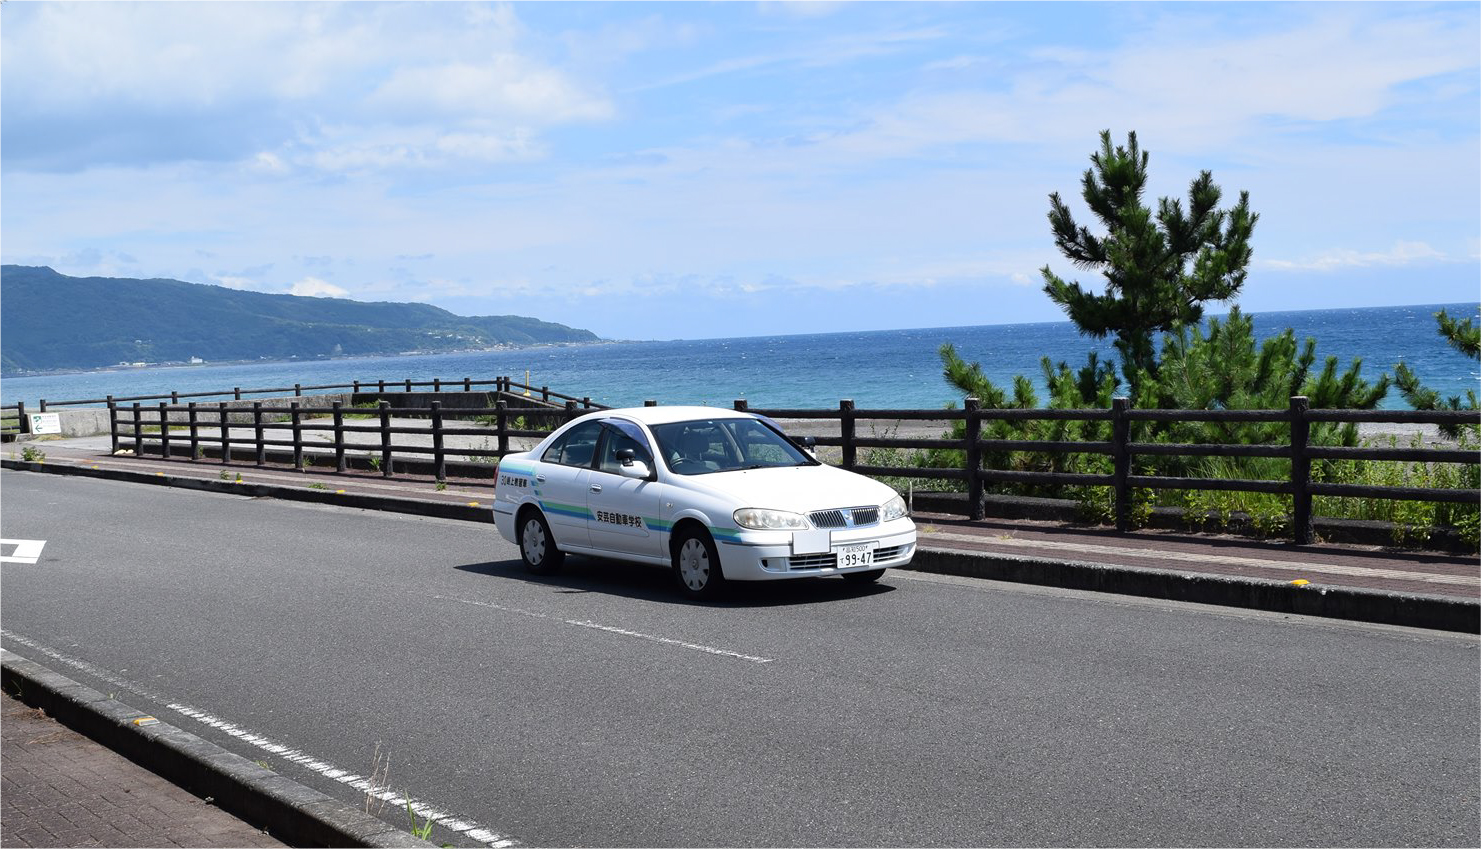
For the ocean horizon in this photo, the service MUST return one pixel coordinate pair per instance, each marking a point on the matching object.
(877, 369)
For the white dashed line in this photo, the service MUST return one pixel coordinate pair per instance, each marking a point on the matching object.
(581, 623)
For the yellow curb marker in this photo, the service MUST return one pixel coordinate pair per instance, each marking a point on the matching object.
(146, 720)
(473, 504)
(1300, 582)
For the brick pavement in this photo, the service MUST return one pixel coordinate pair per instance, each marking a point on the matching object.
(1349, 566)
(63, 789)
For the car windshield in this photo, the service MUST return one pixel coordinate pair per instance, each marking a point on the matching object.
(725, 445)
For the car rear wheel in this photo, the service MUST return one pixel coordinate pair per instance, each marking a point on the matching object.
(697, 565)
(536, 545)
(867, 577)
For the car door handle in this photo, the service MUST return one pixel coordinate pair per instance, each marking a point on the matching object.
(539, 479)
(596, 487)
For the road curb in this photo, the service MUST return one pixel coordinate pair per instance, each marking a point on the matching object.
(1409, 610)
(413, 506)
(296, 814)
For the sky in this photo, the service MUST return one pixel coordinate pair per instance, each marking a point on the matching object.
(709, 170)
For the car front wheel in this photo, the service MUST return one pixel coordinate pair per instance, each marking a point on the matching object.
(697, 565)
(536, 545)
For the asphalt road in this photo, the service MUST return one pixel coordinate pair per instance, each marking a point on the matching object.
(597, 708)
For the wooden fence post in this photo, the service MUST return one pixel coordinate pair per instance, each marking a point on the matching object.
(138, 431)
(225, 432)
(236, 393)
(741, 405)
(436, 384)
(297, 436)
(501, 425)
(439, 460)
(1121, 459)
(195, 439)
(339, 436)
(571, 411)
(385, 439)
(650, 403)
(23, 424)
(846, 433)
(1302, 528)
(164, 431)
(257, 426)
(467, 384)
(112, 425)
(975, 508)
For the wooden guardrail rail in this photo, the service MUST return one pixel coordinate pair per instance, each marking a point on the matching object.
(168, 428)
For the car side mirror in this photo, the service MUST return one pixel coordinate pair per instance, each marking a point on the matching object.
(635, 469)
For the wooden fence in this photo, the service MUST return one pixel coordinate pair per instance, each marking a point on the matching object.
(167, 428)
(380, 387)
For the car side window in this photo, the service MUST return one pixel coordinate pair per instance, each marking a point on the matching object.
(618, 441)
(575, 447)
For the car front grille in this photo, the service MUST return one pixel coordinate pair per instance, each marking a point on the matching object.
(845, 517)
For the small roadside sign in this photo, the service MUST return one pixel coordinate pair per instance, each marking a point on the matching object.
(46, 422)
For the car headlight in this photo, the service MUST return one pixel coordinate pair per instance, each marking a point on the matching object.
(770, 520)
(893, 509)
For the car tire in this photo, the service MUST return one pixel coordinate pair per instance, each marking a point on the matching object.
(536, 544)
(866, 577)
(697, 565)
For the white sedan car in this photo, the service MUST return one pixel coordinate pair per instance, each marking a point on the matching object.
(719, 495)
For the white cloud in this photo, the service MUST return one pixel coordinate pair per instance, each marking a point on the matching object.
(1401, 254)
(315, 288)
(502, 87)
(139, 83)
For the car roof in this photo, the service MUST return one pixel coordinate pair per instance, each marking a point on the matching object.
(666, 415)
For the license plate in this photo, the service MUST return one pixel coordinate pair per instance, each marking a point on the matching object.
(854, 555)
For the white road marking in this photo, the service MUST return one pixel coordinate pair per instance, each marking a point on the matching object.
(581, 623)
(26, 550)
(1222, 559)
(426, 811)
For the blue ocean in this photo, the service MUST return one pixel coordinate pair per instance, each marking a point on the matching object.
(886, 369)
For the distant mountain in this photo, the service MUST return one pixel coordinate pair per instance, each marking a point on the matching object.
(50, 321)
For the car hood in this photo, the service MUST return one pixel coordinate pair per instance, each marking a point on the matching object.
(800, 489)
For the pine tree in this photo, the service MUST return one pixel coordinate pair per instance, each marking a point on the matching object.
(1463, 336)
(1159, 268)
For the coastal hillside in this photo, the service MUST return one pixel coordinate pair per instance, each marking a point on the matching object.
(51, 321)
